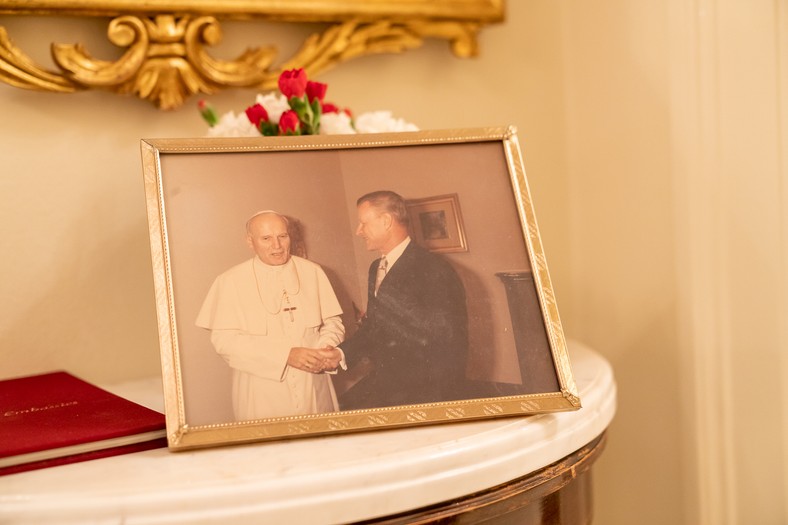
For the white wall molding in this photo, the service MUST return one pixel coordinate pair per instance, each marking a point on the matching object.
(782, 65)
(701, 265)
(728, 113)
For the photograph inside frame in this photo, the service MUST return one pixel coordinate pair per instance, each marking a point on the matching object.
(327, 284)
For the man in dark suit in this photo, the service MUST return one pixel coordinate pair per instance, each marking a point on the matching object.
(414, 337)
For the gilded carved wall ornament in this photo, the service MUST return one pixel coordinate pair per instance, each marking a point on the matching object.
(165, 58)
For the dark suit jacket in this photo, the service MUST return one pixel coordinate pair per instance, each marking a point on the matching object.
(415, 334)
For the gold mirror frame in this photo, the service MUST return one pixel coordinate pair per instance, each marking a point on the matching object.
(165, 58)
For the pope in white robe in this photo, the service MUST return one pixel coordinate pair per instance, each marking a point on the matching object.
(275, 320)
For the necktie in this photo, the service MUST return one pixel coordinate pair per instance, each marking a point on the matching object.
(382, 265)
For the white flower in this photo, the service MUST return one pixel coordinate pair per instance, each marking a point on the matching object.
(381, 122)
(232, 125)
(275, 104)
(336, 124)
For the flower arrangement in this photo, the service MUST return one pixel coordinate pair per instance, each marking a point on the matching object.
(299, 108)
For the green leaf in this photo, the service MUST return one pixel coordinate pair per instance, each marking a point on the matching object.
(298, 104)
(269, 129)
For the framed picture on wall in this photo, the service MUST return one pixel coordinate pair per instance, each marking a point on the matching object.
(320, 285)
(436, 223)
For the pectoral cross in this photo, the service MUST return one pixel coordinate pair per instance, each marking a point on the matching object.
(289, 309)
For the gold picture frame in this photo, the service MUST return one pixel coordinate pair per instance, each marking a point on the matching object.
(200, 192)
(436, 223)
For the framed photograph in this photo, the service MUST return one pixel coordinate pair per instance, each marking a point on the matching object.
(436, 223)
(320, 285)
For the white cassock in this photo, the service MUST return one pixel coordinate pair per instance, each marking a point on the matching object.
(248, 310)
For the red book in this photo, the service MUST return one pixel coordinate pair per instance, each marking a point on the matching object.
(56, 418)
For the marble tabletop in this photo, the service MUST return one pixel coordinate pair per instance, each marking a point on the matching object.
(322, 480)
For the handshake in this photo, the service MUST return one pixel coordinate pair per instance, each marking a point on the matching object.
(316, 360)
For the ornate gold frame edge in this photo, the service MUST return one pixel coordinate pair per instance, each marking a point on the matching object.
(165, 56)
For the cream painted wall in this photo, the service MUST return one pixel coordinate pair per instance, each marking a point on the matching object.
(729, 65)
(597, 91)
(676, 154)
(623, 280)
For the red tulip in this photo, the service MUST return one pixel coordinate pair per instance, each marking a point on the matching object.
(289, 123)
(316, 90)
(256, 114)
(292, 83)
